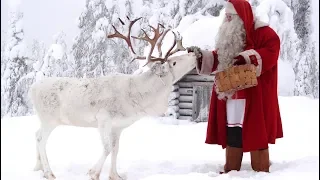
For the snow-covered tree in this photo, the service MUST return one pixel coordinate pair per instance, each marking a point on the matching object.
(280, 19)
(306, 79)
(16, 67)
(55, 60)
(307, 73)
(37, 54)
(254, 3)
(3, 66)
(3, 58)
(293, 25)
(89, 47)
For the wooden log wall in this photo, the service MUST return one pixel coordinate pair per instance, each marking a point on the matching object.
(191, 105)
(173, 109)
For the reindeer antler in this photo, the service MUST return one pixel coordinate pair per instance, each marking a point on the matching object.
(155, 41)
(178, 42)
(126, 38)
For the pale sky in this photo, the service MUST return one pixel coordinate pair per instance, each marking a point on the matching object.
(44, 18)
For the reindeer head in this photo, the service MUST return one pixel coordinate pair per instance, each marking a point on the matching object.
(178, 66)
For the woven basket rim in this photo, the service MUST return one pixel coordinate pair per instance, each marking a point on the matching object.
(236, 78)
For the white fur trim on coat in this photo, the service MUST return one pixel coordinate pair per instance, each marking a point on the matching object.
(246, 55)
(259, 24)
(230, 8)
(207, 63)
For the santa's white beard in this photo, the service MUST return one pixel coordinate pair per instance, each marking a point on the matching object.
(230, 42)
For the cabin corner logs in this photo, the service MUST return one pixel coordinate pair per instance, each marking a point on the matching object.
(190, 97)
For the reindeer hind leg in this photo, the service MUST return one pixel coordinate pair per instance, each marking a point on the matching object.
(105, 134)
(42, 159)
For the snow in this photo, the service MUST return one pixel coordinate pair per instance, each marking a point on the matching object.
(277, 14)
(18, 51)
(207, 27)
(286, 78)
(13, 3)
(162, 148)
(172, 111)
(56, 51)
(173, 95)
(99, 34)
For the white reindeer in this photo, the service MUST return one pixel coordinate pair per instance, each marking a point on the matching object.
(110, 103)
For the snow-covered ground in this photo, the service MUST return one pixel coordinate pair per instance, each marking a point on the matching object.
(159, 148)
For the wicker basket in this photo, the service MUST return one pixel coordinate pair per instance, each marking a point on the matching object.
(236, 78)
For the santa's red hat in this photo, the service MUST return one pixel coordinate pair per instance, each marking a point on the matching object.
(243, 9)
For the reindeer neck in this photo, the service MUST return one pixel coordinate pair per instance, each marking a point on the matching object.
(152, 92)
(158, 81)
(152, 87)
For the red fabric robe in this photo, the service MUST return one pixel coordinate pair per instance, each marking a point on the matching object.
(262, 122)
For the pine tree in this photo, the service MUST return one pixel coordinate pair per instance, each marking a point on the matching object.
(3, 66)
(3, 58)
(89, 48)
(16, 67)
(306, 67)
(37, 54)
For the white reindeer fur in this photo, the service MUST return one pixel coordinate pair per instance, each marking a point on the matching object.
(110, 103)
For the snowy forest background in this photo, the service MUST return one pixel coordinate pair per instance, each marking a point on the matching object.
(91, 55)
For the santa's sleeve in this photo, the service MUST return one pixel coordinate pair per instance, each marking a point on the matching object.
(266, 57)
(208, 63)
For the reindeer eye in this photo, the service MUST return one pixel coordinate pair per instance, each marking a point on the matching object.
(174, 63)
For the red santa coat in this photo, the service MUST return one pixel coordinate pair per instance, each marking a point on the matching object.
(262, 122)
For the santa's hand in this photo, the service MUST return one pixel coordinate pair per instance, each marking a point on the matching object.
(239, 60)
(196, 50)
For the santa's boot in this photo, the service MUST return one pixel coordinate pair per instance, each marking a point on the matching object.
(233, 159)
(260, 160)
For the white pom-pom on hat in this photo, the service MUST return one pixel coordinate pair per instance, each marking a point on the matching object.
(229, 8)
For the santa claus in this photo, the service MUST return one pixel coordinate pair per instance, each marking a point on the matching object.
(248, 120)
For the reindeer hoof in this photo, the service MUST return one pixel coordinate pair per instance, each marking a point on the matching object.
(38, 167)
(49, 176)
(93, 174)
(117, 177)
